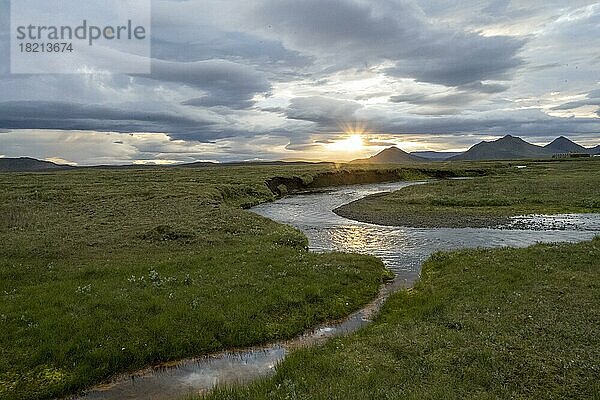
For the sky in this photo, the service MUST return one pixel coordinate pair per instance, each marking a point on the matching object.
(326, 80)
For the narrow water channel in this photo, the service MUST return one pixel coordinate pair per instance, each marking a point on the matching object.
(403, 250)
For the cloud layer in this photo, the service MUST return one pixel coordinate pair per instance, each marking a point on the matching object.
(282, 78)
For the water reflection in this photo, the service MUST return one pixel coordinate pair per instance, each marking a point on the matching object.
(403, 250)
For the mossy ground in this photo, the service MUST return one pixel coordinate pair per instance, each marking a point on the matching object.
(481, 324)
(106, 271)
(541, 188)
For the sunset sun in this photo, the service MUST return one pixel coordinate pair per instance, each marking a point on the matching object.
(350, 144)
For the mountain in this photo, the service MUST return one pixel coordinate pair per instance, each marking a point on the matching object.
(391, 155)
(595, 150)
(564, 145)
(435, 155)
(507, 148)
(27, 164)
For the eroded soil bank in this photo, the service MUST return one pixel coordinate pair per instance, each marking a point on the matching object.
(281, 185)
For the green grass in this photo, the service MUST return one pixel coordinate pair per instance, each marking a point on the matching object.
(480, 324)
(106, 271)
(548, 188)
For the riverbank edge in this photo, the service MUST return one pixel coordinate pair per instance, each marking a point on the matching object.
(442, 220)
(417, 298)
(284, 185)
(371, 310)
(290, 186)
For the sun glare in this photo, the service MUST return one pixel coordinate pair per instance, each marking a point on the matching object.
(351, 144)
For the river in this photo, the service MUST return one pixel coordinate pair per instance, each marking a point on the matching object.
(403, 250)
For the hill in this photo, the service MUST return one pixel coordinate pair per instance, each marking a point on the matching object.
(507, 148)
(28, 164)
(564, 145)
(391, 155)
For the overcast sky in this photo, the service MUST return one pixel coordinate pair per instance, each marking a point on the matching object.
(282, 79)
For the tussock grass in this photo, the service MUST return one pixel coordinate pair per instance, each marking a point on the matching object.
(106, 271)
(480, 324)
(541, 188)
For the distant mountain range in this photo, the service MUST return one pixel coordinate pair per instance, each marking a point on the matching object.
(391, 155)
(27, 164)
(24, 164)
(507, 148)
(514, 148)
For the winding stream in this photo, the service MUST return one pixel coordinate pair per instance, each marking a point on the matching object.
(403, 250)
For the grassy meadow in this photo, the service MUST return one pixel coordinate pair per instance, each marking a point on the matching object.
(108, 271)
(480, 324)
(540, 188)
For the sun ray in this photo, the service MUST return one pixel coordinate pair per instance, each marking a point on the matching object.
(350, 144)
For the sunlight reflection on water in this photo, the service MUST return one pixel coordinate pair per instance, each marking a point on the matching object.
(403, 250)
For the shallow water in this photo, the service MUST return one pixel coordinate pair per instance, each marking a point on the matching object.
(403, 250)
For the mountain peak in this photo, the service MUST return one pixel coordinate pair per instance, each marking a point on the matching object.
(391, 155)
(508, 147)
(513, 148)
(393, 150)
(564, 145)
(561, 139)
(510, 138)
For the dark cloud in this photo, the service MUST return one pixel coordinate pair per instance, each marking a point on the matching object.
(231, 46)
(444, 99)
(435, 111)
(465, 59)
(352, 32)
(73, 116)
(487, 88)
(533, 123)
(543, 66)
(523, 123)
(448, 102)
(592, 99)
(330, 24)
(303, 147)
(213, 70)
(223, 99)
(324, 111)
(226, 83)
(276, 110)
(496, 7)
(329, 115)
(369, 96)
(211, 74)
(377, 143)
